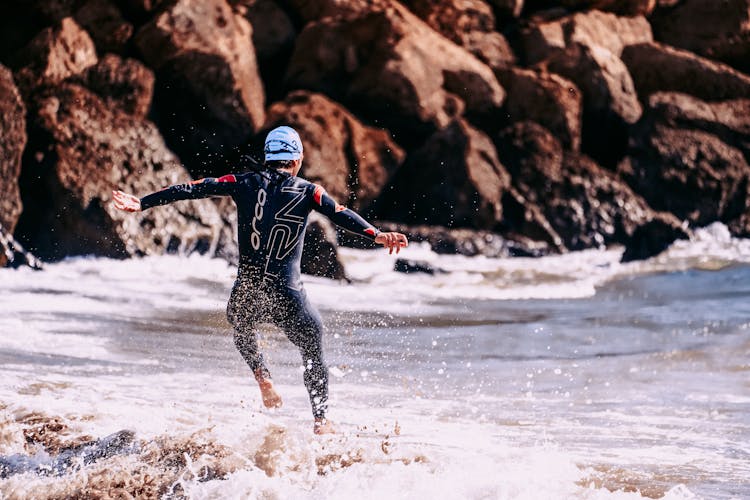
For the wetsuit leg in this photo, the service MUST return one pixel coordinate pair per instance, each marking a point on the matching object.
(243, 314)
(303, 326)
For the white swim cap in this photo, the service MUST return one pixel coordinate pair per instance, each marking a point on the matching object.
(283, 143)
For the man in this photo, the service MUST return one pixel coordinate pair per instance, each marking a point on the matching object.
(273, 205)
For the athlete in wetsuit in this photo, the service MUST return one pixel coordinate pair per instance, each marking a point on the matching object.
(272, 206)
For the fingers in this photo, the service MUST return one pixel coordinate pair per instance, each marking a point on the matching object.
(401, 242)
(393, 241)
(117, 200)
(126, 202)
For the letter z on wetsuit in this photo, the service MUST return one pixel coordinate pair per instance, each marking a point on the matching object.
(272, 210)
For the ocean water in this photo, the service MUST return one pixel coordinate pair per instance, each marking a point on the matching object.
(569, 376)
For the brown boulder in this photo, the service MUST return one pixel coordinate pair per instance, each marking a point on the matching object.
(55, 54)
(12, 143)
(274, 35)
(79, 150)
(104, 22)
(124, 83)
(209, 96)
(610, 102)
(690, 173)
(603, 78)
(320, 249)
(728, 120)
(718, 30)
(102, 19)
(705, 148)
(273, 30)
(542, 40)
(545, 98)
(352, 161)
(587, 206)
(396, 68)
(656, 67)
(740, 227)
(455, 179)
(653, 237)
(468, 23)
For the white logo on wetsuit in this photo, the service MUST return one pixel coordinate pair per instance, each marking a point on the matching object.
(255, 237)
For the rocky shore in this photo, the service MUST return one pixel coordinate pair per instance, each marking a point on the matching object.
(501, 127)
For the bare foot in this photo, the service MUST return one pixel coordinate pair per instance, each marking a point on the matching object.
(323, 426)
(271, 398)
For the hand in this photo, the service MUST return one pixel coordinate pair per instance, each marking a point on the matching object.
(392, 241)
(126, 202)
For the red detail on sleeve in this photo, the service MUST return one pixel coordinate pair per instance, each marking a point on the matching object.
(340, 208)
(227, 178)
(318, 194)
(197, 181)
(371, 231)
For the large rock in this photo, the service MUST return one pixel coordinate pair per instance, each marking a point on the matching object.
(714, 178)
(542, 40)
(273, 30)
(610, 102)
(740, 227)
(728, 120)
(586, 205)
(468, 23)
(274, 35)
(396, 68)
(545, 98)
(718, 30)
(12, 143)
(320, 249)
(656, 67)
(352, 161)
(55, 54)
(102, 19)
(454, 180)
(690, 173)
(653, 237)
(79, 149)
(209, 97)
(123, 83)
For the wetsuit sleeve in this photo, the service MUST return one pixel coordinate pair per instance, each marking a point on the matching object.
(342, 216)
(201, 188)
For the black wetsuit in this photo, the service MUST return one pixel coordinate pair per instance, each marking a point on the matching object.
(272, 209)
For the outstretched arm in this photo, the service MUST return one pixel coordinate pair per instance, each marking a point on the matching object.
(202, 188)
(352, 221)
